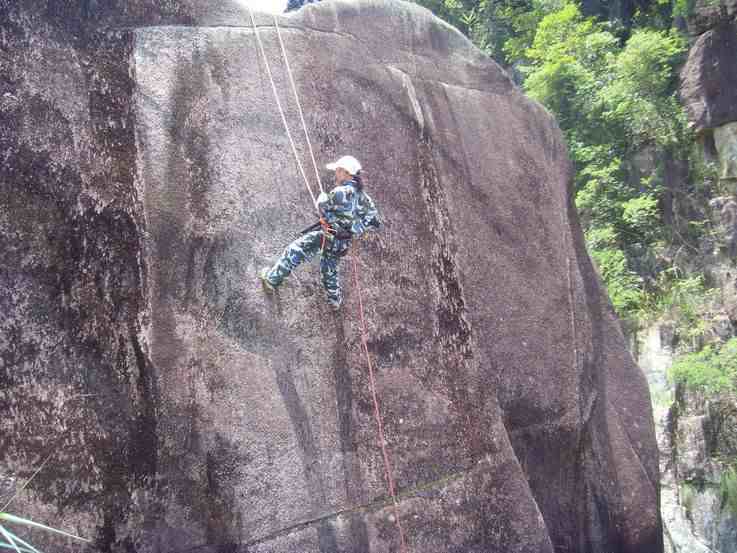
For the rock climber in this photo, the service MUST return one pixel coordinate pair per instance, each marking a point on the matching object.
(346, 212)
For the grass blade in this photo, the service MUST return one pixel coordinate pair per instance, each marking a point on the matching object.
(26, 522)
(8, 536)
(15, 548)
(25, 544)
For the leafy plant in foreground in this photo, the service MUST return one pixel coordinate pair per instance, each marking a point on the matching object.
(11, 541)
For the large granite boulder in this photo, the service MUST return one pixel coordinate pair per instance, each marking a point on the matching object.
(146, 176)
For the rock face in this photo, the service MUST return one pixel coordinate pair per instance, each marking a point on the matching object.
(146, 176)
(697, 438)
(708, 77)
(724, 220)
(702, 438)
(707, 14)
(654, 352)
(725, 140)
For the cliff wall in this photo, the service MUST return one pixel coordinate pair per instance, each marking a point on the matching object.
(146, 177)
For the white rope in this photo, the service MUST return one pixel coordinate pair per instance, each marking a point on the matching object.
(281, 110)
(299, 106)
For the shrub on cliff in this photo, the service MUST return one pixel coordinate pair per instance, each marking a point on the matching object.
(713, 369)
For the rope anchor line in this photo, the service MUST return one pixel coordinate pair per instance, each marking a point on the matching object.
(299, 104)
(281, 110)
(364, 331)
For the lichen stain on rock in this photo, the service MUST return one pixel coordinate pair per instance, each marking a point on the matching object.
(453, 329)
(190, 160)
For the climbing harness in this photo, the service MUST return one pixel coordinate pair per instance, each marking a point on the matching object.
(328, 230)
(313, 226)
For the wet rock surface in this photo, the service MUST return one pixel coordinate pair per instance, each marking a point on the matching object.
(146, 176)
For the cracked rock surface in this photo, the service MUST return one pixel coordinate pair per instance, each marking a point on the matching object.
(146, 176)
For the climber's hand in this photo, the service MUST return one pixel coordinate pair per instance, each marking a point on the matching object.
(321, 201)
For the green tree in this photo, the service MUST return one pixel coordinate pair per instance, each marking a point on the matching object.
(611, 100)
(640, 97)
(456, 12)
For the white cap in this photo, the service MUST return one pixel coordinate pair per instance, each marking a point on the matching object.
(349, 163)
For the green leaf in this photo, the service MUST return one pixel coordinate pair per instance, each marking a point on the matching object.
(18, 520)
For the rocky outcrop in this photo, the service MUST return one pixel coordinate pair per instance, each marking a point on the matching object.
(723, 211)
(707, 14)
(703, 444)
(708, 92)
(725, 141)
(708, 77)
(698, 445)
(145, 178)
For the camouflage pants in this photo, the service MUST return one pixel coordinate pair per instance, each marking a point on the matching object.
(303, 249)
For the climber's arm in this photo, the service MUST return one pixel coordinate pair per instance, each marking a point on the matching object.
(322, 203)
(368, 214)
(335, 200)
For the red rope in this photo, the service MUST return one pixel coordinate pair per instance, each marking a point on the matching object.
(377, 415)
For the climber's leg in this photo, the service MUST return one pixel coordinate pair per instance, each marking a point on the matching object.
(296, 253)
(330, 280)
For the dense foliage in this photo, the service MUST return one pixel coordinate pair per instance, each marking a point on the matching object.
(612, 101)
(712, 369)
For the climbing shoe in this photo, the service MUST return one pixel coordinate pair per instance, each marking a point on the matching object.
(263, 274)
(334, 304)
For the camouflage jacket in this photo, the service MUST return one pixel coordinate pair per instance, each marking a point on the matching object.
(349, 209)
